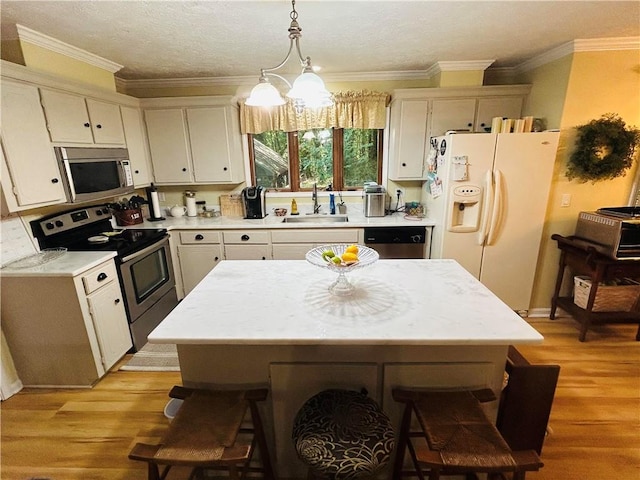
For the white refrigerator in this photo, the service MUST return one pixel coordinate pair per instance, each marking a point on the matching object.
(488, 194)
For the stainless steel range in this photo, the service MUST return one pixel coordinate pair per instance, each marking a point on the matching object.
(143, 259)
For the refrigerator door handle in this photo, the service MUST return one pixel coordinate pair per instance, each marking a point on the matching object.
(496, 215)
(486, 207)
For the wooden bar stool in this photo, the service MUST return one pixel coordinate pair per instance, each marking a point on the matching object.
(206, 435)
(342, 435)
(457, 437)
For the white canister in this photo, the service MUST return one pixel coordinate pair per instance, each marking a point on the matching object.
(190, 198)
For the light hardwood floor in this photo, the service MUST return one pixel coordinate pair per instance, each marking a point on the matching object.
(87, 434)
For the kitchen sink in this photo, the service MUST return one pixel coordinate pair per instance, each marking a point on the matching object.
(317, 219)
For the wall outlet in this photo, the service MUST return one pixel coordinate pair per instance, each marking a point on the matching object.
(161, 196)
(566, 200)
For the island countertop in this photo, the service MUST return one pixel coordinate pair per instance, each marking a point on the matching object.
(396, 302)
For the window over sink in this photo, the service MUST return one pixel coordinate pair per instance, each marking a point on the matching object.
(344, 158)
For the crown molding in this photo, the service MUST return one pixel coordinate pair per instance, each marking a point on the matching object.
(41, 40)
(580, 45)
(126, 84)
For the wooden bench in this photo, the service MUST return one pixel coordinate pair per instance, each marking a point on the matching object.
(205, 435)
(457, 437)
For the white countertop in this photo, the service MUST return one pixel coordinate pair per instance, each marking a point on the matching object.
(271, 221)
(397, 302)
(70, 264)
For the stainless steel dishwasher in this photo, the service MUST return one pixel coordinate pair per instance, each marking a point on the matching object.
(399, 242)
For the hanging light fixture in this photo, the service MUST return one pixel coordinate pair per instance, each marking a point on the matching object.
(308, 90)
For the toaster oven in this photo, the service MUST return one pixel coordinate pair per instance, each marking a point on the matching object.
(614, 231)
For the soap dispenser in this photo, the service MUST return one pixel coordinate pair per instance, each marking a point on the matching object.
(294, 207)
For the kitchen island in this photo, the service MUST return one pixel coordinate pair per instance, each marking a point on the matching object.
(426, 323)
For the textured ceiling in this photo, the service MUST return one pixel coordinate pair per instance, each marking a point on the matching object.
(182, 39)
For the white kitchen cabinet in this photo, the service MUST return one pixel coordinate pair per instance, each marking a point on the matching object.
(137, 145)
(488, 108)
(170, 157)
(107, 311)
(288, 244)
(200, 145)
(407, 139)
(65, 330)
(74, 119)
(198, 253)
(247, 244)
(451, 114)
(420, 113)
(30, 173)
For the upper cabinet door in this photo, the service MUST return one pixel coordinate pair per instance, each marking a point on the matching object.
(32, 178)
(168, 144)
(106, 123)
(136, 144)
(452, 114)
(210, 149)
(67, 117)
(407, 139)
(74, 119)
(488, 108)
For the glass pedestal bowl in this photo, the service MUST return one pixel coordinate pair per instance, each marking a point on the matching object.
(342, 286)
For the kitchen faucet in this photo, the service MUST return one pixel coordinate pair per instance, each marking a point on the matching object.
(314, 196)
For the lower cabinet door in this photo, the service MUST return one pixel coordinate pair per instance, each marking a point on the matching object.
(196, 261)
(110, 322)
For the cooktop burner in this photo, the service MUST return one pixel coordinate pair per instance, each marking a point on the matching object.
(624, 212)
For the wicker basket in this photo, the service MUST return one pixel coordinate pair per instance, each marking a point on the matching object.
(609, 298)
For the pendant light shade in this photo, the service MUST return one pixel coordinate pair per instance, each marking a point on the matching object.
(265, 95)
(308, 89)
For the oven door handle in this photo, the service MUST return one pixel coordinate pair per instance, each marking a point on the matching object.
(144, 251)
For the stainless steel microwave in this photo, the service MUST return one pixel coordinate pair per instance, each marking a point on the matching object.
(92, 174)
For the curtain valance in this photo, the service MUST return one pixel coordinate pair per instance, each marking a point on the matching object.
(352, 109)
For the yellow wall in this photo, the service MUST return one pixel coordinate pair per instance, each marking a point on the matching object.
(571, 92)
(45, 60)
(464, 78)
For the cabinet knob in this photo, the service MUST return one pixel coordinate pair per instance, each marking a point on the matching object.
(199, 237)
(54, 180)
(117, 301)
(102, 276)
(184, 169)
(225, 169)
(87, 125)
(98, 126)
(244, 238)
(264, 258)
(137, 171)
(404, 164)
(482, 124)
(469, 124)
(216, 258)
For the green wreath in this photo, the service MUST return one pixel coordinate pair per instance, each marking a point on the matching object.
(604, 149)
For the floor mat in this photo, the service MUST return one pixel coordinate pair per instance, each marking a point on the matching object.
(154, 357)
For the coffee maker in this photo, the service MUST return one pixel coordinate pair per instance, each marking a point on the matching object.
(253, 200)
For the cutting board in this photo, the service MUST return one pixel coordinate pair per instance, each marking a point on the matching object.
(231, 205)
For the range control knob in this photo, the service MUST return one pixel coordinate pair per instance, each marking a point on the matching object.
(59, 223)
(49, 225)
(105, 210)
(98, 212)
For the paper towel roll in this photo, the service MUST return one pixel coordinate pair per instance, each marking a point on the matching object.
(496, 125)
(155, 205)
